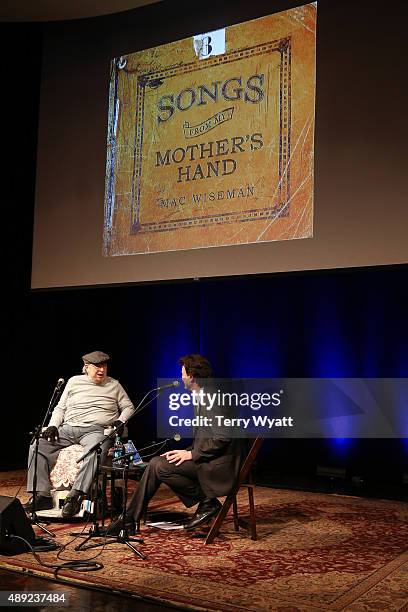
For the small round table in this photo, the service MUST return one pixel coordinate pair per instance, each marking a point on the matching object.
(112, 473)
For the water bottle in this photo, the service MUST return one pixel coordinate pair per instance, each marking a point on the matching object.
(117, 448)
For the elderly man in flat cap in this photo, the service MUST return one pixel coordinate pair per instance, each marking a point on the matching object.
(90, 403)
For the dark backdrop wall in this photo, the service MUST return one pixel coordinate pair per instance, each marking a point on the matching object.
(337, 323)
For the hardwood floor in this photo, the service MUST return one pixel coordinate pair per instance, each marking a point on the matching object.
(80, 599)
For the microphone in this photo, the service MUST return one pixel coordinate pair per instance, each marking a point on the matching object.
(177, 437)
(141, 405)
(175, 383)
(60, 383)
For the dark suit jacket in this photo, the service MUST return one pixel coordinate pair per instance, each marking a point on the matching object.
(217, 454)
(218, 461)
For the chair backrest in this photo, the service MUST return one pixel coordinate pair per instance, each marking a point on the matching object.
(248, 462)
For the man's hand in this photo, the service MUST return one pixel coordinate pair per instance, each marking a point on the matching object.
(51, 434)
(177, 456)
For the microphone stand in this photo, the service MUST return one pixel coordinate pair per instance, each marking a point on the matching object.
(36, 438)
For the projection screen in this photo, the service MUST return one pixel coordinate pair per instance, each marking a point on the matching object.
(165, 157)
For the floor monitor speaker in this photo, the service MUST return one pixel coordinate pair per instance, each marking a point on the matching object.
(14, 522)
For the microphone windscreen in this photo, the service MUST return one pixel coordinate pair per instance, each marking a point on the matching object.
(177, 437)
(176, 383)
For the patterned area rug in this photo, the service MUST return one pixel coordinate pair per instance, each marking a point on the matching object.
(314, 552)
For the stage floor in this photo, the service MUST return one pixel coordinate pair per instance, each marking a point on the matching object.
(315, 552)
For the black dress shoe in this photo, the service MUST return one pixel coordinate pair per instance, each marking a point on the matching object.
(203, 514)
(42, 502)
(117, 526)
(71, 506)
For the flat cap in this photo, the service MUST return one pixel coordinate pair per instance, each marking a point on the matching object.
(96, 357)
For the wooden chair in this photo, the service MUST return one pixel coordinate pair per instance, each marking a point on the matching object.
(231, 499)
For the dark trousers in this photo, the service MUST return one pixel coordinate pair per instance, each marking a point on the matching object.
(181, 479)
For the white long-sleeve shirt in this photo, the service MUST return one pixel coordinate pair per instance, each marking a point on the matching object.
(85, 403)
